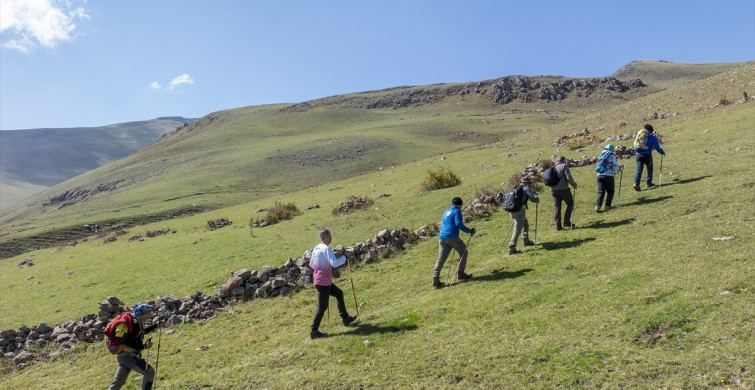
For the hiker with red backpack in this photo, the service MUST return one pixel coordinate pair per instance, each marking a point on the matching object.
(606, 167)
(519, 214)
(644, 143)
(124, 337)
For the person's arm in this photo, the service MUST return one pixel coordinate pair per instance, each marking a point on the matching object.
(657, 145)
(570, 179)
(530, 195)
(334, 262)
(614, 163)
(459, 220)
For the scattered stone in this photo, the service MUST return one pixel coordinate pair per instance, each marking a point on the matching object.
(724, 238)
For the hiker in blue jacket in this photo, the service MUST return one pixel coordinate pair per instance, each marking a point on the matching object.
(449, 239)
(606, 168)
(644, 157)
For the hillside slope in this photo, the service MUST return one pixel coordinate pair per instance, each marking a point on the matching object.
(32, 159)
(656, 293)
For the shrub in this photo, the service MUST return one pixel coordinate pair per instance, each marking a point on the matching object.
(275, 214)
(576, 143)
(436, 180)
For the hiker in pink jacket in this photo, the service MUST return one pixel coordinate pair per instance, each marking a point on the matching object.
(322, 263)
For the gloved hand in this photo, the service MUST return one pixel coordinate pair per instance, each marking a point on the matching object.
(474, 231)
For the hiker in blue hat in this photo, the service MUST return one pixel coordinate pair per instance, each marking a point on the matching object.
(606, 168)
(126, 333)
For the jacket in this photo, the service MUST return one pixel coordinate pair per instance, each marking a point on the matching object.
(613, 164)
(565, 174)
(322, 263)
(452, 222)
(652, 144)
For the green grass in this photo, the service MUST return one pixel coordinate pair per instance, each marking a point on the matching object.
(635, 298)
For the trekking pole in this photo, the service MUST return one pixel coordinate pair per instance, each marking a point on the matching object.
(148, 351)
(352, 286)
(660, 174)
(450, 264)
(536, 204)
(621, 175)
(157, 358)
(459, 262)
(506, 236)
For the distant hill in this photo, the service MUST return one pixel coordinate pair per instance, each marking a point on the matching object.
(34, 159)
(664, 74)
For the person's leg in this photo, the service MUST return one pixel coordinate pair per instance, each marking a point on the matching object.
(556, 209)
(601, 193)
(609, 184)
(134, 363)
(338, 294)
(121, 375)
(525, 227)
(323, 296)
(649, 163)
(569, 200)
(639, 164)
(517, 217)
(443, 250)
(459, 246)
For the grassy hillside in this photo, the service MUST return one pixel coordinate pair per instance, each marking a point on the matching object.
(33, 159)
(640, 297)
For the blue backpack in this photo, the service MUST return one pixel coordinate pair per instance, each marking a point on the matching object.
(604, 164)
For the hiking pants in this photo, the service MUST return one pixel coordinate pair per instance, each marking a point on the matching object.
(606, 185)
(643, 160)
(128, 362)
(323, 298)
(566, 197)
(444, 248)
(521, 225)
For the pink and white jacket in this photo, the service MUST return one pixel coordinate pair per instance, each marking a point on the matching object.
(322, 263)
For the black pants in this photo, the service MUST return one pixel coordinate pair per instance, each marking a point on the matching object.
(323, 297)
(566, 197)
(606, 185)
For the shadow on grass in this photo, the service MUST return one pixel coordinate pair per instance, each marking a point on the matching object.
(552, 246)
(601, 224)
(368, 329)
(500, 275)
(685, 181)
(646, 200)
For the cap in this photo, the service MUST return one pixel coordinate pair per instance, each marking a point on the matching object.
(609, 147)
(142, 309)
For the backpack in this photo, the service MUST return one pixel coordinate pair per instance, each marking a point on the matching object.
(513, 199)
(114, 332)
(550, 177)
(641, 140)
(604, 164)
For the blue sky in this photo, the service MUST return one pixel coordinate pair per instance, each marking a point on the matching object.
(79, 63)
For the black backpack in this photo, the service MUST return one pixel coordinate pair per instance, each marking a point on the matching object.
(513, 199)
(550, 177)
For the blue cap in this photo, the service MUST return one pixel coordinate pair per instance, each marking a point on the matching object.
(141, 309)
(609, 147)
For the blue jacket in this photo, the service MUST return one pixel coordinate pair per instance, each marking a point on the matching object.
(452, 222)
(652, 144)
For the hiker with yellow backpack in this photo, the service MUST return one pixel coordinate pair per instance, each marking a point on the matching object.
(124, 336)
(644, 143)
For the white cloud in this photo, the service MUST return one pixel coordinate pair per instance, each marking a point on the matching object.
(33, 23)
(155, 85)
(182, 79)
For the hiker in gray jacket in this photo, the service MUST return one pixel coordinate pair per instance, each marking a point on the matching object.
(562, 193)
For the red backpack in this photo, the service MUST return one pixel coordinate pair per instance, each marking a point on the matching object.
(116, 330)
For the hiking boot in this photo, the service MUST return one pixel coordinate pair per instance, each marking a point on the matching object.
(651, 185)
(598, 210)
(527, 242)
(513, 250)
(462, 276)
(559, 227)
(316, 334)
(437, 283)
(348, 320)
(637, 187)
(608, 208)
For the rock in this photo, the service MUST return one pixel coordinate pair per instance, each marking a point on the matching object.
(43, 328)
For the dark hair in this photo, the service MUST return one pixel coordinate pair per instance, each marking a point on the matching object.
(561, 160)
(649, 128)
(324, 233)
(457, 201)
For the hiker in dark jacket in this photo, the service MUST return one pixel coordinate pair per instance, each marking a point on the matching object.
(644, 158)
(562, 193)
(606, 168)
(521, 225)
(448, 239)
(130, 358)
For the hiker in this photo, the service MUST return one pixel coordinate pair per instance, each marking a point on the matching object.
(449, 239)
(561, 193)
(322, 263)
(521, 225)
(606, 168)
(132, 344)
(644, 144)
